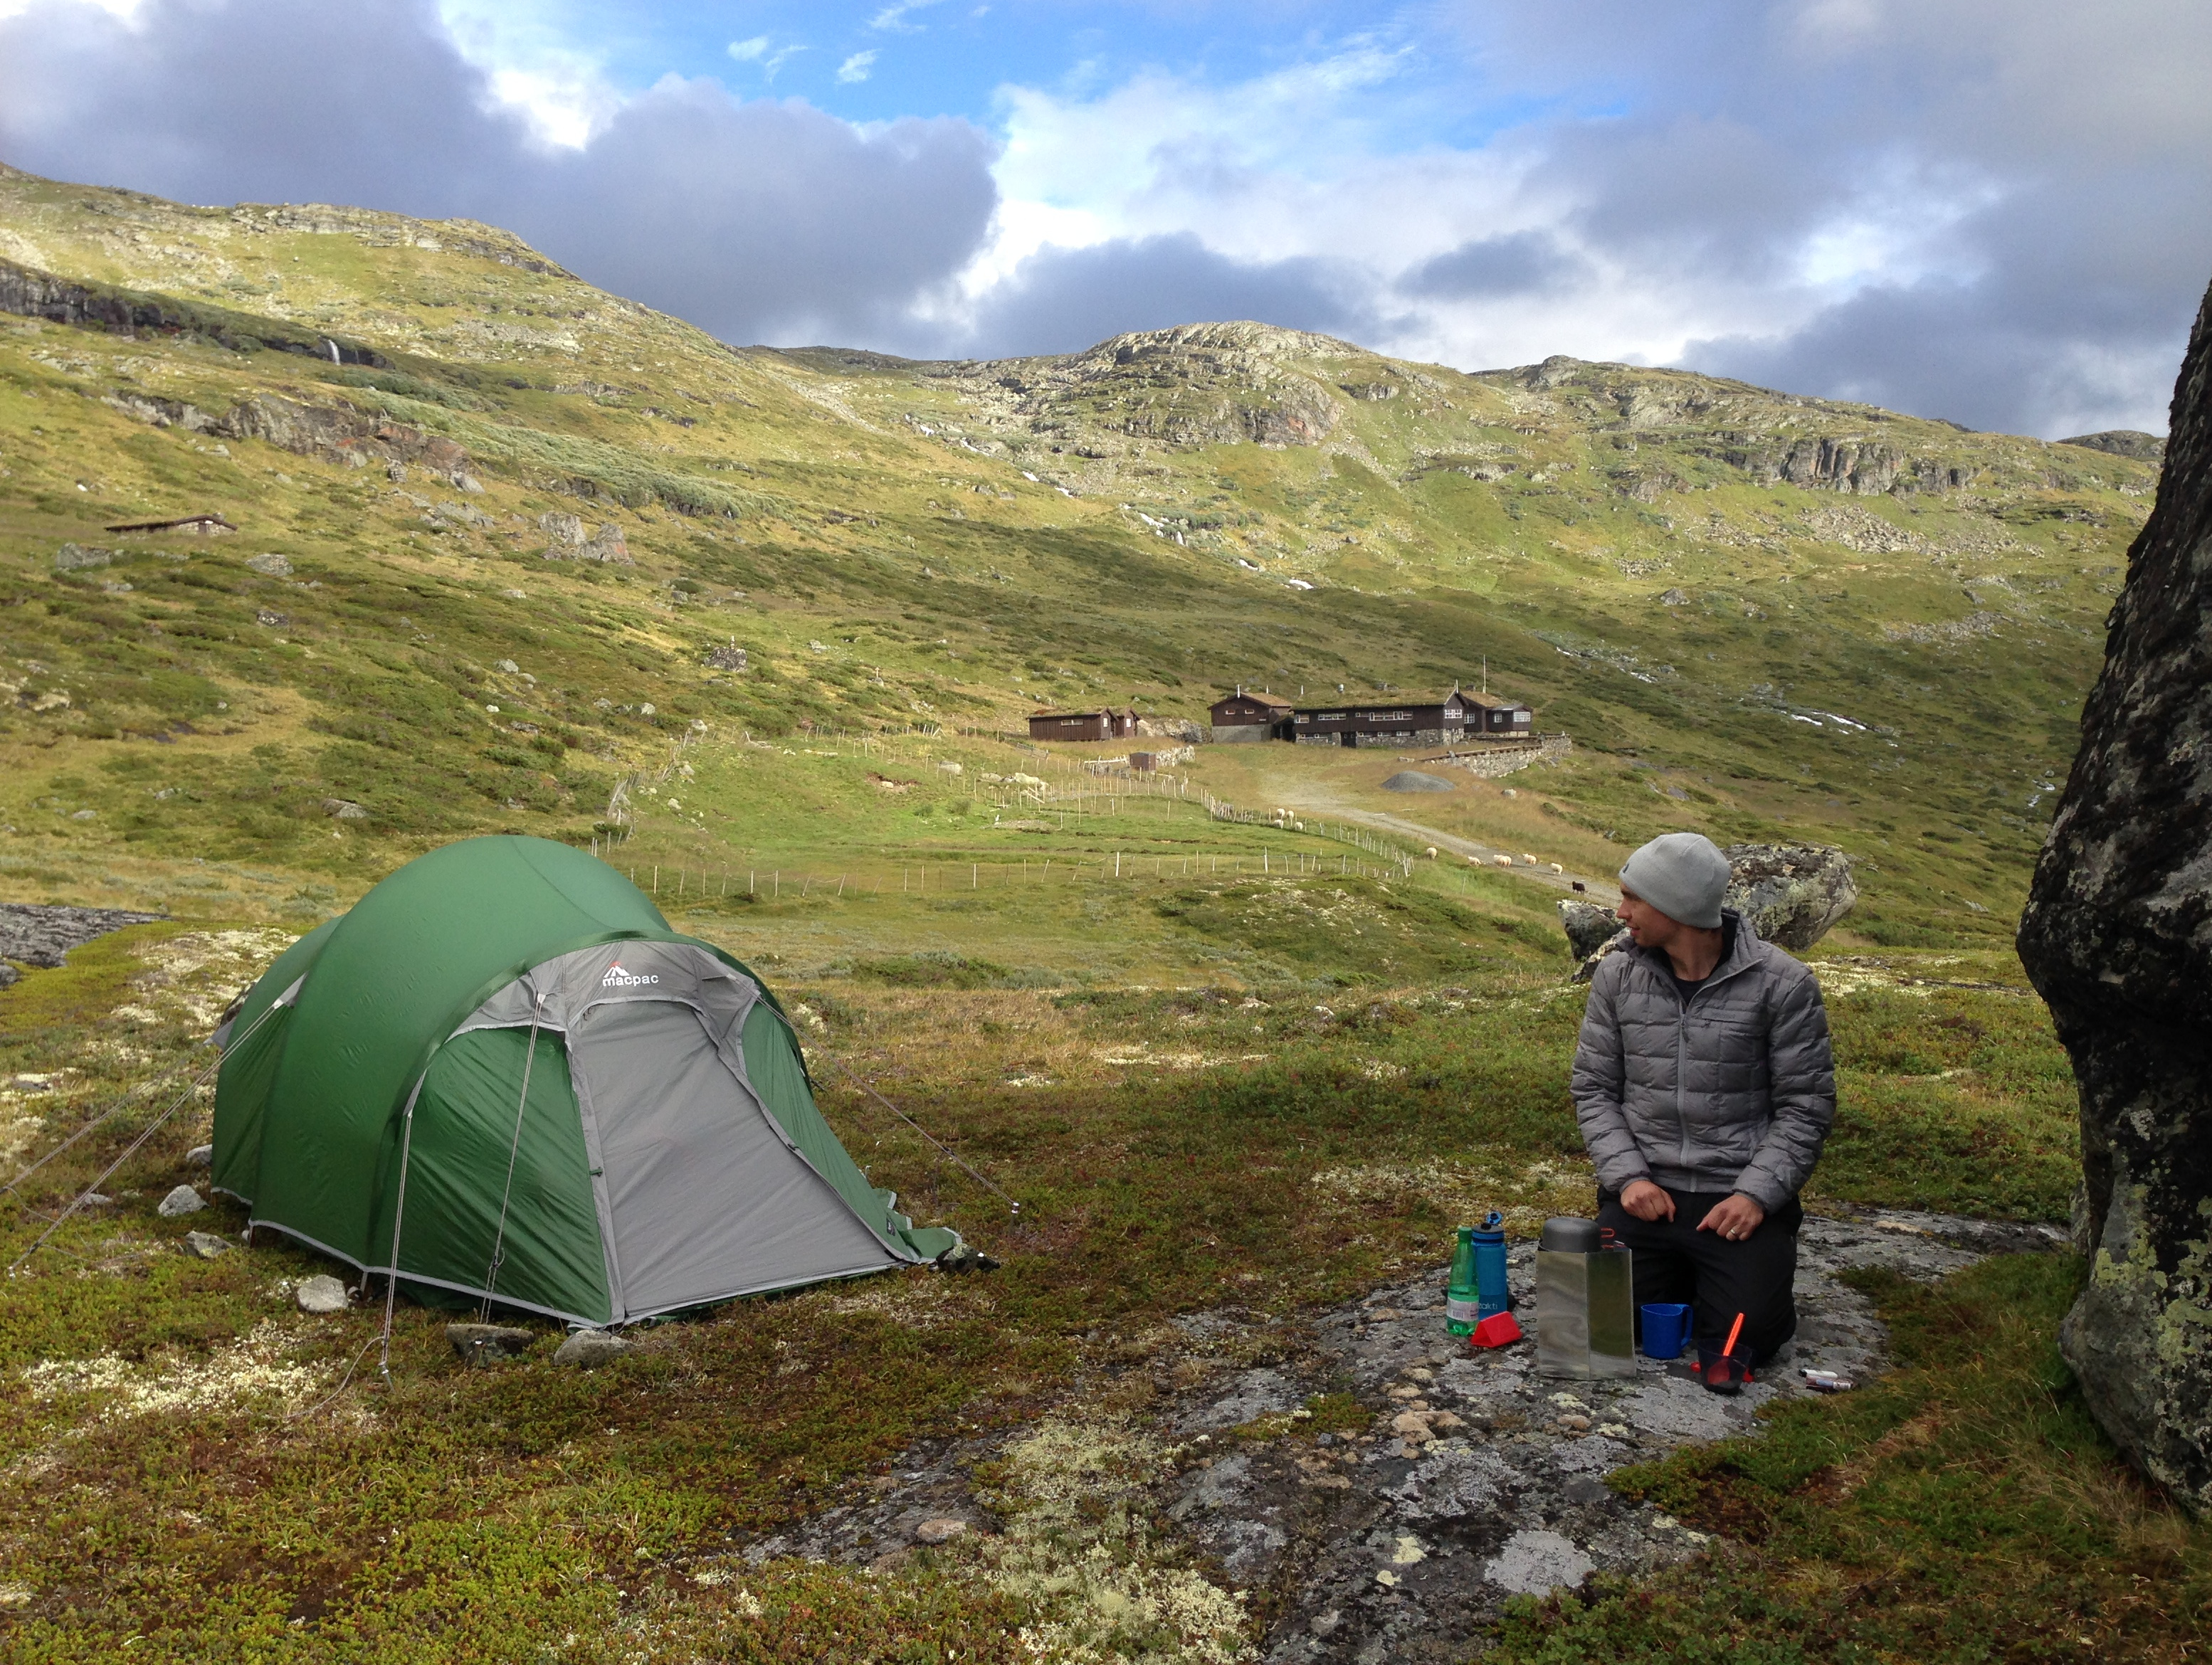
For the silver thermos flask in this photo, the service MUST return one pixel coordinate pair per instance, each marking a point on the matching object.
(1585, 1302)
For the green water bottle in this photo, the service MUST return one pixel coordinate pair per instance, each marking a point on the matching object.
(1462, 1296)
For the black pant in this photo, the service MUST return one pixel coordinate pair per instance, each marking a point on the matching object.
(1715, 1278)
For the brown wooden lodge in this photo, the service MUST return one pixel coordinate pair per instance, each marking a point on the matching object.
(1105, 724)
(1459, 715)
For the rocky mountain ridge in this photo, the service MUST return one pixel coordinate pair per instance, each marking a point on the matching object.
(1853, 605)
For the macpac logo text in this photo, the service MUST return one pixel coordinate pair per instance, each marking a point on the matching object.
(618, 978)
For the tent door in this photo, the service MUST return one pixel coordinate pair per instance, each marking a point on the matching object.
(704, 1199)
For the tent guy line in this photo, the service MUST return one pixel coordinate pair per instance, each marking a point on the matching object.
(1013, 1208)
(129, 1150)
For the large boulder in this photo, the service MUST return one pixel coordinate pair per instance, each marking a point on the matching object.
(1792, 893)
(2118, 937)
(1588, 925)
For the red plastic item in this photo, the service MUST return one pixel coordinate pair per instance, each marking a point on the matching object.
(1499, 1330)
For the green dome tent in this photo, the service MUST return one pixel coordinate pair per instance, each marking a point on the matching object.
(502, 1074)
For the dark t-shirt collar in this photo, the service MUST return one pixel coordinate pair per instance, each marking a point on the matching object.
(1686, 986)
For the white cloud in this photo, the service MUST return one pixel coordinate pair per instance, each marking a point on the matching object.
(1969, 208)
(891, 20)
(531, 70)
(1999, 210)
(762, 49)
(757, 220)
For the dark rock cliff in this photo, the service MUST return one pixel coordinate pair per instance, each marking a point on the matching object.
(32, 294)
(2117, 936)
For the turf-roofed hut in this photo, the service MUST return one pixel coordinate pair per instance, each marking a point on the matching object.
(503, 1074)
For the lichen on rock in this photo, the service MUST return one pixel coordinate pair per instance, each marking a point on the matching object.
(2118, 938)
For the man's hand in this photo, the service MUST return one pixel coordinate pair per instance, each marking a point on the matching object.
(1736, 1218)
(1641, 1197)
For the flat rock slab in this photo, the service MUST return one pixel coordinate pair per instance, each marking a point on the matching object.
(43, 936)
(205, 1244)
(483, 1344)
(1378, 1546)
(1429, 1538)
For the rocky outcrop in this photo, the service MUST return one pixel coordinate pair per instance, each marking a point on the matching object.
(29, 293)
(338, 434)
(159, 412)
(33, 934)
(1589, 926)
(2122, 442)
(1461, 1480)
(1196, 384)
(2118, 937)
(569, 543)
(1792, 894)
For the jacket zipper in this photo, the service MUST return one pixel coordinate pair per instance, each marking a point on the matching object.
(1681, 1073)
(1682, 1061)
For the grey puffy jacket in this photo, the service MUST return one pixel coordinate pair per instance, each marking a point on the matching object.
(1733, 1090)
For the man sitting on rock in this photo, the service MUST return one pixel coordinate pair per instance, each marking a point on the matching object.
(1704, 1088)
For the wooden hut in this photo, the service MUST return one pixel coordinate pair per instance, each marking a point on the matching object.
(1248, 716)
(1496, 719)
(199, 525)
(1074, 725)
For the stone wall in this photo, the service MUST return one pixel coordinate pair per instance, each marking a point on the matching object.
(1492, 764)
(2117, 936)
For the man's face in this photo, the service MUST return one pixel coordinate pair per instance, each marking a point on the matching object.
(1647, 927)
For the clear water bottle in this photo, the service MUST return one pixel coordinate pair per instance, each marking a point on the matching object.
(1462, 1295)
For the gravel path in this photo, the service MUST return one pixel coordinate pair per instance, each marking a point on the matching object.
(1319, 803)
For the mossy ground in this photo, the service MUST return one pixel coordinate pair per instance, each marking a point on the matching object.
(174, 1473)
(1965, 1507)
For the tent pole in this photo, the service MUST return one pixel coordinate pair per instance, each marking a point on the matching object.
(514, 1149)
(398, 1210)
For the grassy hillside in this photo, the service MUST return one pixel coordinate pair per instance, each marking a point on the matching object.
(1756, 613)
(498, 534)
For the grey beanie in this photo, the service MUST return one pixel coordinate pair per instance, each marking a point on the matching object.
(1683, 875)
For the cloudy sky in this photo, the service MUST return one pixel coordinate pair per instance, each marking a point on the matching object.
(1998, 211)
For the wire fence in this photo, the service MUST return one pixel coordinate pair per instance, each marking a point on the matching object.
(1048, 793)
(676, 882)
